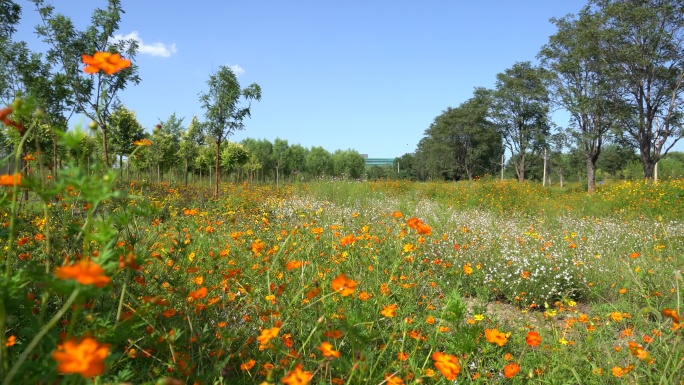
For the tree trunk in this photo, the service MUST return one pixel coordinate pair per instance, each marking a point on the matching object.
(649, 166)
(186, 172)
(158, 173)
(120, 166)
(591, 174)
(218, 155)
(103, 126)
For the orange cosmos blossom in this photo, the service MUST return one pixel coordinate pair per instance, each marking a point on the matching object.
(343, 285)
(298, 376)
(85, 271)
(447, 364)
(10, 180)
(108, 62)
(389, 311)
(533, 339)
(267, 334)
(142, 143)
(328, 350)
(198, 294)
(419, 226)
(511, 370)
(348, 240)
(496, 337)
(85, 357)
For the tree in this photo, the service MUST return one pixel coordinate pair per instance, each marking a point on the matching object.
(461, 143)
(92, 95)
(520, 110)
(295, 158)
(125, 130)
(644, 46)
(278, 157)
(348, 164)
(578, 72)
(319, 162)
(190, 142)
(10, 14)
(224, 111)
(261, 152)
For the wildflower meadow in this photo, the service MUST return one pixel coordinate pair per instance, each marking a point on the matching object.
(107, 280)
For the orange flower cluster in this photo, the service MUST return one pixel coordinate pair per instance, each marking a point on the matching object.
(108, 62)
(447, 364)
(85, 357)
(344, 285)
(10, 180)
(86, 272)
(496, 337)
(419, 226)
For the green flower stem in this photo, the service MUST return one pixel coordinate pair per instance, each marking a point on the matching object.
(15, 207)
(34, 342)
(119, 310)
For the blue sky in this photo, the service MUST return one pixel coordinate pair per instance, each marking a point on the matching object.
(366, 75)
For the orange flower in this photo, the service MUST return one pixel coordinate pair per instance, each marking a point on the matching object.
(496, 337)
(617, 371)
(333, 334)
(397, 214)
(402, 356)
(198, 294)
(144, 143)
(447, 364)
(511, 370)
(293, 265)
(108, 62)
(4, 117)
(168, 313)
(389, 311)
(11, 340)
(267, 334)
(85, 271)
(343, 285)
(10, 180)
(467, 269)
(363, 296)
(297, 376)
(85, 357)
(391, 379)
(419, 226)
(258, 246)
(533, 339)
(348, 240)
(327, 350)
(247, 365)
(671, 313)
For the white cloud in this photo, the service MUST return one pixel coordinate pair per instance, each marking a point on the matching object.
(154, 49)
(237, 70)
